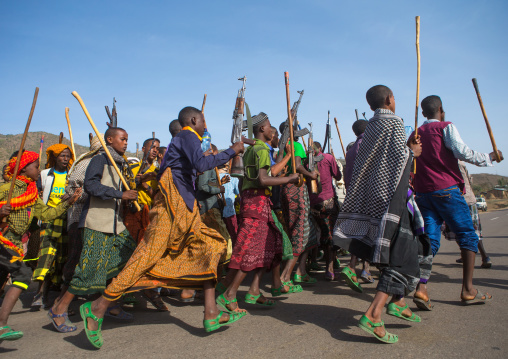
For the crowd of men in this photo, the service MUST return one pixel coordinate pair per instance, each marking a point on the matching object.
(185, 227)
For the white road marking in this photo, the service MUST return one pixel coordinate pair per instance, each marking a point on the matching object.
(494, 218)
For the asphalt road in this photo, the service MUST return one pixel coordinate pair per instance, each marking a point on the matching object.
(320, 322)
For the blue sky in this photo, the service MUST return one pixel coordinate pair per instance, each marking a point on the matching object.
(156, 57)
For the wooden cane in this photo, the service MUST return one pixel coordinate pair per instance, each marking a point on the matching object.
(203, 105)
(417, 18)
(76, 95)
(60, 138)
(494, 146)
(90, 138)
(20, 152)
(70, 133)
(340, 138)
(40, 150)
(291, 137)
(216, 169)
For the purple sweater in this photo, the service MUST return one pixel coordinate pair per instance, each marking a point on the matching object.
(350, 160)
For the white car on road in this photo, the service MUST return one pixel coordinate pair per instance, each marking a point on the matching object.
(481, 203)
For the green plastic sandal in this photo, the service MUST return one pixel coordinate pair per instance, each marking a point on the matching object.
(369, 326)
(214, 324)
(223, 302)
(94, 336)
(347, 274)
(396, 311)
(304, 279)
(253, 299)
(293, 288)
(11, 334)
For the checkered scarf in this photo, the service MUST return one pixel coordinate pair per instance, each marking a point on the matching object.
(368, 209)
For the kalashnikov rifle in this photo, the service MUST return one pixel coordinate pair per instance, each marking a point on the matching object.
(328, 136)
(236, 169)
(113, 119)
(356, 112)
(291, 132)
(312, 164)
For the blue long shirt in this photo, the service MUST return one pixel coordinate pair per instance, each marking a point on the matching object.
(185, 158)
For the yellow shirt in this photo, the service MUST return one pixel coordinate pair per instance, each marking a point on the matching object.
(58, 190)
(143, 196)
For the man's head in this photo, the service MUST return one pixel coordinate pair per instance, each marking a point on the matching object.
(192, 117)
(261, 127)
(359, 127)
(151, 154)
(59, 157)
(432, 108)
(317, 148)
(117, 138)
(215, 151)
(28, 166)
(162, 152)
(174, 128)
(275, 137)
(380, 96)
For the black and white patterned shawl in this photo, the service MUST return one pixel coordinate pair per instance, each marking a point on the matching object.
(366, 224)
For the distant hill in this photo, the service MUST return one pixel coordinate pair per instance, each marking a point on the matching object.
(10, 144)
(484, 182)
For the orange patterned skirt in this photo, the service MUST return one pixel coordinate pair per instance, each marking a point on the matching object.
(177, 251)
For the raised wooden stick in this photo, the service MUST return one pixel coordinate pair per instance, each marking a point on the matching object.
(494, 146)
(340, 138)
(40, 150)
(203, 105)
(76, 95)
(21, 147)
(417, 18)
(70, 132)
(291, 137)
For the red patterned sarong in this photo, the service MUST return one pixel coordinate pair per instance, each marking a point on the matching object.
(259, 242)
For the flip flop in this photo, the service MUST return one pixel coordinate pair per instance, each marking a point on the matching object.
(213, 324)
(188, 300)
(396, 311)
(123, 315)
(347, 274)
(94, 336)
(422, 304)
(253, 299)
(477, 299)
(487, 263)
(65, 327)
(11, 334)
(367, 277)
(369, 326)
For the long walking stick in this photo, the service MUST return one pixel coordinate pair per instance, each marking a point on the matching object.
(124, 182)
(60, 138)
(40, 150)
(340, 138)
(494, 146)
(417, 79)
(70, 133)
(291, 137)
(221, 197)
(20, 152)
(203, 105)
